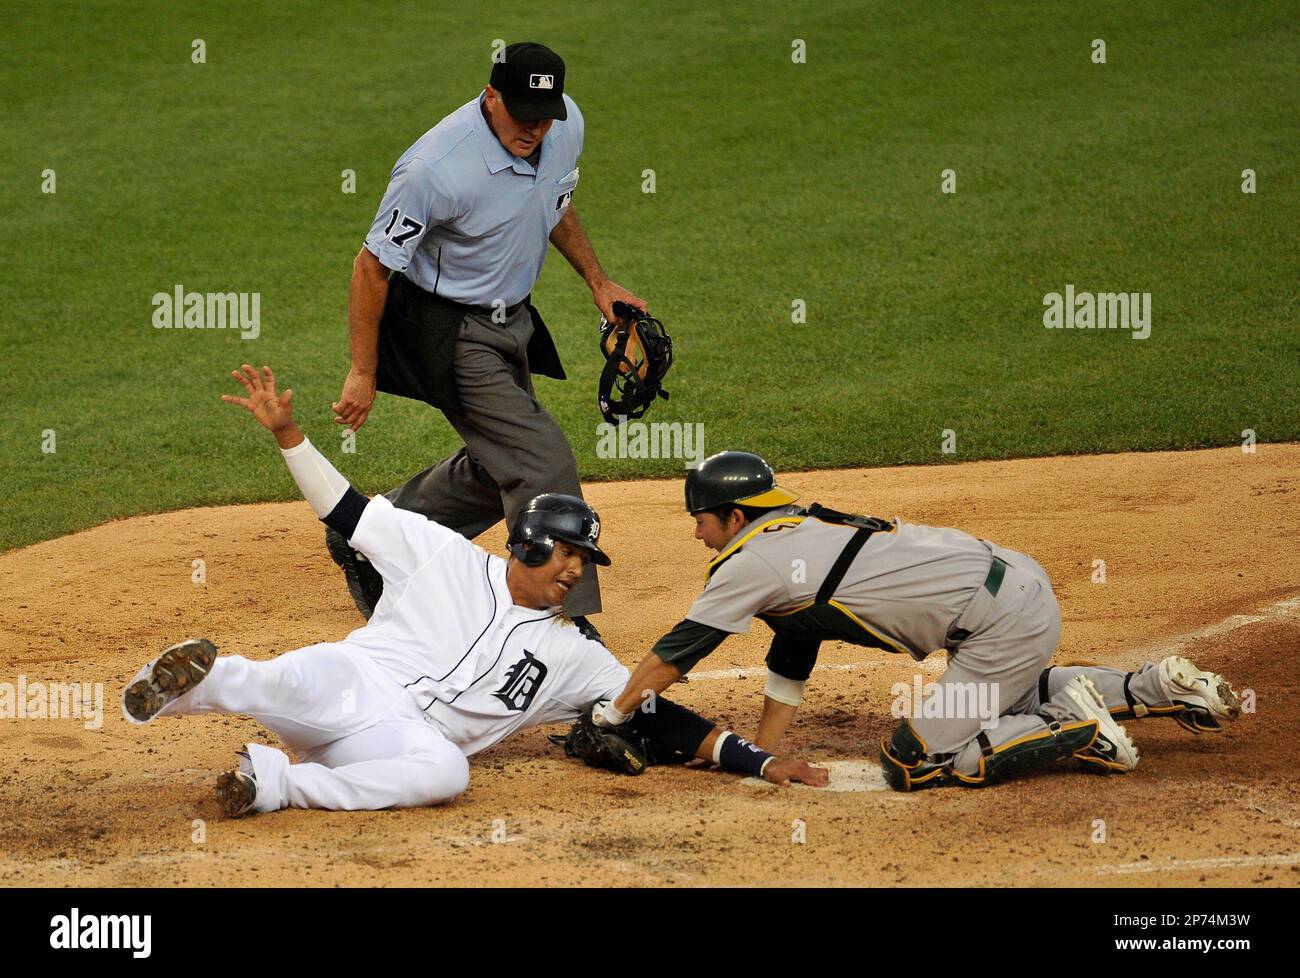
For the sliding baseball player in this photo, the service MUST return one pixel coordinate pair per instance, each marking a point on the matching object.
(464, 649)
(815, 574)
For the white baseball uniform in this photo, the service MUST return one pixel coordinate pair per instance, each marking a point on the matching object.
(448, 666)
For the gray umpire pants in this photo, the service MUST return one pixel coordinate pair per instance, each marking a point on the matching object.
(513, 447)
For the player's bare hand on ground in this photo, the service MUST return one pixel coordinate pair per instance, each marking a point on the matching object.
(608, 292)
(782, 771)
(353, 406)
(271, 410)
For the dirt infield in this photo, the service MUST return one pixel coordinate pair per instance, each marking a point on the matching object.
(1202, 555)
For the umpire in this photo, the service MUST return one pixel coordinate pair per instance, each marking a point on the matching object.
(439, 306)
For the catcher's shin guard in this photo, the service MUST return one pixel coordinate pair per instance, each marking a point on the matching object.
(1133, 708)
(905, 762)
(1198, 700)
(1028, 753)
(907, 766)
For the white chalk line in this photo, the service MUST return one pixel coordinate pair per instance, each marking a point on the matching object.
(1191, 865)
(1278, 610)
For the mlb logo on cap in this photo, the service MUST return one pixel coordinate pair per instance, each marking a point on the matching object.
(531, 82)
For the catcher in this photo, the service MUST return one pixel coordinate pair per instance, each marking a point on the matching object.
(816, 574)
(464, 648)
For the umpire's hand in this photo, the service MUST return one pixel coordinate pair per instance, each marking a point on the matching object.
(353, 406)
(606, 292)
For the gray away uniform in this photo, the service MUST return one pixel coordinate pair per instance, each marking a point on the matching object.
(913, 589)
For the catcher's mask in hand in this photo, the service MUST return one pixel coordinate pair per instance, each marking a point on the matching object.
(638, 352)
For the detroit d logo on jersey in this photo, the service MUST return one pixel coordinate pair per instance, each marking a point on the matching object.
(522, 683)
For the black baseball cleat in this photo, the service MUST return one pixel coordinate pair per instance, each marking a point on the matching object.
(364, 582)
(236, 791)
(178, 670)
(588, 630)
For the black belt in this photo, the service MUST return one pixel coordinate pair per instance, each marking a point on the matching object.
(400, 281)
(489, 310)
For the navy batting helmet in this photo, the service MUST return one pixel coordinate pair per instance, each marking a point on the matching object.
(548, 518)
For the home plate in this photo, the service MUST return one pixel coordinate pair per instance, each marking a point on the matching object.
(845, 776)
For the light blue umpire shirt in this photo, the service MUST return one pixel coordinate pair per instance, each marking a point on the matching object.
(468, 221)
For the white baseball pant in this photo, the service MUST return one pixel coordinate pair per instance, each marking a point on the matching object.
(362, 742)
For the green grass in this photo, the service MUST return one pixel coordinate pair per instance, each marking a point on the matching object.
(775, 181)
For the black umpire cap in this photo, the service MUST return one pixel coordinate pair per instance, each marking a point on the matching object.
(531, 81)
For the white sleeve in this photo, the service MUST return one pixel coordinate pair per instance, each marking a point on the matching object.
(592, 674)
(321, 484)
(399, 542)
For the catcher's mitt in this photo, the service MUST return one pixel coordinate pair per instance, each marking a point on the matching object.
(638, 352)
(618, 748)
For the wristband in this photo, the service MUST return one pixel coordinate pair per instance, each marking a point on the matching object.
(609, 716)
(735, 753)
